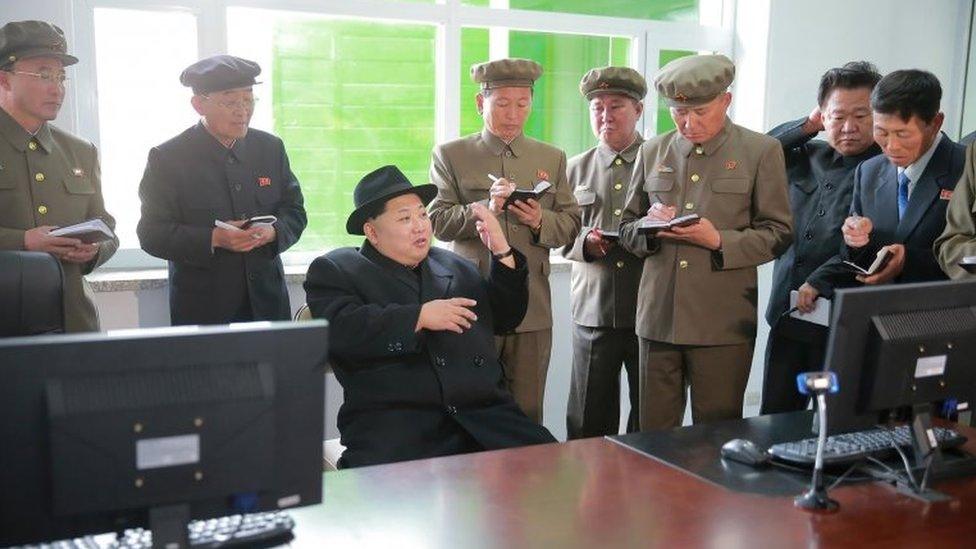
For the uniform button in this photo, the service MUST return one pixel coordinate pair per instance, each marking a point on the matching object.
(618, 161)
(38, 177)
(808, 236)
(440, 362)
(699, 150)
(42, 209)
(479, 361)
(390, 348)
(620, 264)
(695, 177)
(508, 154)
(618, 186)
(822, 212)
(230, 160)
(237, 187)
(689, 205)
(799, 261)
(683, 264)
(515, 228)
(32, 146)
(452, 410)
(617, 211)
(829, 186)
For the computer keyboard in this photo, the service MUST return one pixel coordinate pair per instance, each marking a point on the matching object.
(231, 531)
(850, 447)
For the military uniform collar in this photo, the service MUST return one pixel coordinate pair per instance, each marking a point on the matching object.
(19, 137)
(709, 147)
(607, 155)
(498, 147)
(401, 272)
(216, 148)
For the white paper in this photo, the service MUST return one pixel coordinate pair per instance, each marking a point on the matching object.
(820, 314)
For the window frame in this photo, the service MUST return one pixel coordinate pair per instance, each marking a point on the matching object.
(647, 39)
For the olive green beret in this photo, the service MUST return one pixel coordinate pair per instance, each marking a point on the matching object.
(506, 73)
(694, 80)
(27, 39)
(618, 80)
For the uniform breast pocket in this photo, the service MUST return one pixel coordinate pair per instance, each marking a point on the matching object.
(730, 203)
(658, 189)
(474, 189)
(79, 185)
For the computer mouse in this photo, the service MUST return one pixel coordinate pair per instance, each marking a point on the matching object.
(745, 451)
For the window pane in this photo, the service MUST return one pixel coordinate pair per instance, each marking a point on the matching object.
(664, 121)
(560, 115)
(141, 102)
(662, 10)
(347, 97)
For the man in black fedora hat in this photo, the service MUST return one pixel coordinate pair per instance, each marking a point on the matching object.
(411, 331)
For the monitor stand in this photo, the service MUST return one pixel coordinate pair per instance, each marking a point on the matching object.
(929, 460)
(168, 526)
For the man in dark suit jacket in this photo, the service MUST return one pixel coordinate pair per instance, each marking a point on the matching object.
(900, 198)
(221, 170)
(412, 331)
(821, 175)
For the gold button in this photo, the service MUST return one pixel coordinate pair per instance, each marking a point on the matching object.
(42, 210)
(699, 150)
(695, 177)
(616, 212)
(618, 161)
(620, 264)
(683, 264)
(618, 186)
(689, 205)
(32, 146)
(515, 228)
(38, 177)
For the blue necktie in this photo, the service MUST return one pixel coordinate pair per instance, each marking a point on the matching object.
(903, 182)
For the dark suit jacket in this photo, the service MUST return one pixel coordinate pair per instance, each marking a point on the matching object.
(821, 182)
(192, 180)
(414, 395)
(876, 197)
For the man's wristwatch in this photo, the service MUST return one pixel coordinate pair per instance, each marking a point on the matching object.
(503, 255)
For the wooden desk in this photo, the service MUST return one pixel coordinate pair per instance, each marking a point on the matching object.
(597, 493)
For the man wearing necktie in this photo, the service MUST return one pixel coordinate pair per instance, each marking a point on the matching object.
(900, 198)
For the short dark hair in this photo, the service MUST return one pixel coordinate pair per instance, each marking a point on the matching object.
(852, 75)
(907, 93)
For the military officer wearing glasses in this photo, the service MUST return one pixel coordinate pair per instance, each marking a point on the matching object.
(48, 177)
(605, 275)
(221, 170)
(486, 167)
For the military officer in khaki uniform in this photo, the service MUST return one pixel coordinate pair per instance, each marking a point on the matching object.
(463, 170)
(696, 309)
(959, 238)
(48, 177)
(605, 276)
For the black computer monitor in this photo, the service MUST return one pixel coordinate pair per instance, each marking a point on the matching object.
(101, 431)
(900, 345)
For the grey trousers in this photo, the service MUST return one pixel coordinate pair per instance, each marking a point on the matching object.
(525, 359)
(594, 389)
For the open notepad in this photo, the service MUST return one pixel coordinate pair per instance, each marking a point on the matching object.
(880, 260)
(256, 221)
(968, 263)
(541, 188)
(89, 232)
(820, 314)
(649, 226)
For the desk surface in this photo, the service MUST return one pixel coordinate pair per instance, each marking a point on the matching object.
(597, 493)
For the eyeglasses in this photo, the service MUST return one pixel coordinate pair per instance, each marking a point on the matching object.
(58, 78)
(244, 104)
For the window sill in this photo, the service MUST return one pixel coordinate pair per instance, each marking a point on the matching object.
(134, 280)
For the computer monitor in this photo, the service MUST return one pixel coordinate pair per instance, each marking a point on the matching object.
(103, 432)
(900, 345)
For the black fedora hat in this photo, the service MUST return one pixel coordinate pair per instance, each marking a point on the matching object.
(376, 188)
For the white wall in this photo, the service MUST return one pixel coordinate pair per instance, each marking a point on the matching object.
(807, 38)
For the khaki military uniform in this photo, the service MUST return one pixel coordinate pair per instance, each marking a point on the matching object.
(604, 297)
(460, 170)
(959, 238)
(52, 178)
(696, 309)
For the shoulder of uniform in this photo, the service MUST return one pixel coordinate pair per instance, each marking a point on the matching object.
(752, 137)
(262, 136)
(69, 139)
(460, 143)
(581, 158)
(542, 146)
